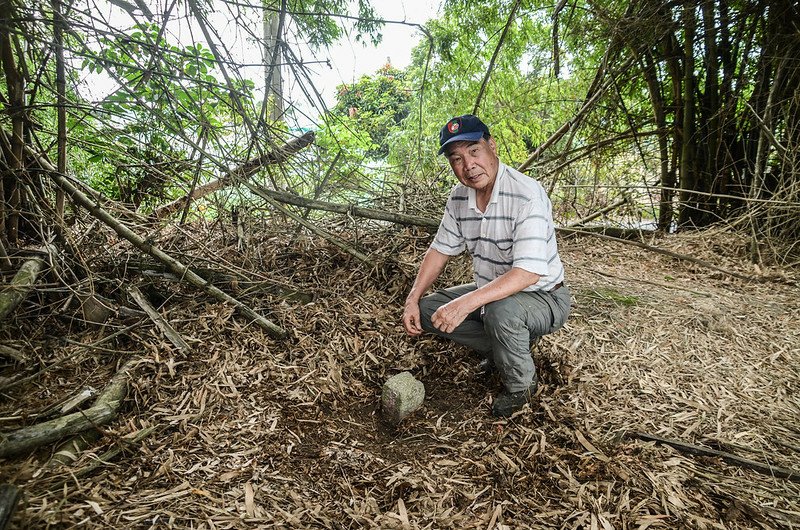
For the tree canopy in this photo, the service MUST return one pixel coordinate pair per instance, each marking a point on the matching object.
(690, 110)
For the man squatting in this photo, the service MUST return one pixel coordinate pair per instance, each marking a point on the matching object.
(504, 219)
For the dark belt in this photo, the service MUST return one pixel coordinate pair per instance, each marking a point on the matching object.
(556, 287)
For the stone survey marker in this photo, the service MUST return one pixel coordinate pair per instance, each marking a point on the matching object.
(402, 395)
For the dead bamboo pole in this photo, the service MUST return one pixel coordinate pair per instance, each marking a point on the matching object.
(162, 324)
(19, 288)
(149, 248)
(29, 438)
(112, 396)
(240, 174)
(349, 209)
(314, 228)
(696, 261)
(696, 450)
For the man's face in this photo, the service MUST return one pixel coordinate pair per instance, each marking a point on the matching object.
(475, 164)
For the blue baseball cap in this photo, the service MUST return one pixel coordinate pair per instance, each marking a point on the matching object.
(462, 128)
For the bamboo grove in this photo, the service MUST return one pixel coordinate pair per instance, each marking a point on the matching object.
(707, 88)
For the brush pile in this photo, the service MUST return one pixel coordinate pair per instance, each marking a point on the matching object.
(234, 428)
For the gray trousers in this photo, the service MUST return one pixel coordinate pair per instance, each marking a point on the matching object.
(504, 331)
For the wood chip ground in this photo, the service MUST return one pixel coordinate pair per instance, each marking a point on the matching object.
(250, 432)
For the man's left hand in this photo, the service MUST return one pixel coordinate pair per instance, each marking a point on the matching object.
(449, 316)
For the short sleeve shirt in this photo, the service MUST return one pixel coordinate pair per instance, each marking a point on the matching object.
(516, 230)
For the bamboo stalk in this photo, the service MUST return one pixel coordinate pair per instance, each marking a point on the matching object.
(568, 231)
(239, 174)
(112, 395)
(19, 288)
(349, 209)
(174, 265)
(696, 450)
(29, 438)
(173, 336)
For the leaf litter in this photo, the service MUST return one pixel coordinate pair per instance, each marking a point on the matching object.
(246, 431)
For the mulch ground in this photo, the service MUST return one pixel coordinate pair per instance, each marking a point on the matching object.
(250, 432)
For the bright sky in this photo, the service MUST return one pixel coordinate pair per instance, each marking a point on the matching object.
(353, 59)
(349, 60)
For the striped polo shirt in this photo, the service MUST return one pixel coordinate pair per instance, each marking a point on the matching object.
(516, 230)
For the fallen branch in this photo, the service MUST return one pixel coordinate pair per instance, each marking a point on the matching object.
(696, 450)
(425, 222)
(240, 174)
(628, 234)
(311, 226)
(232, 280)
(8, 501)
(19, 288)
(173, 336)
(12, 353)
(112, 395)
(367, 213)
(29, 438)
(174, 265)
(572, 231)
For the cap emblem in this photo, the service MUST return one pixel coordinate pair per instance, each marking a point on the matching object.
(454, 126)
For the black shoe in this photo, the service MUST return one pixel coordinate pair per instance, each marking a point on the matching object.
(507, 403)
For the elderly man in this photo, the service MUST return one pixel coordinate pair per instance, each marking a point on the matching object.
(504, 219)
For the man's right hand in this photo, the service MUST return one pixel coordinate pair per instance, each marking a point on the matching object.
(411, 319)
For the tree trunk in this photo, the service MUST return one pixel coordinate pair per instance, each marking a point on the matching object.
(273, 76)
(688, 169)
(665, 212)
(58, 37)
(710, 123)
(15, 84)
